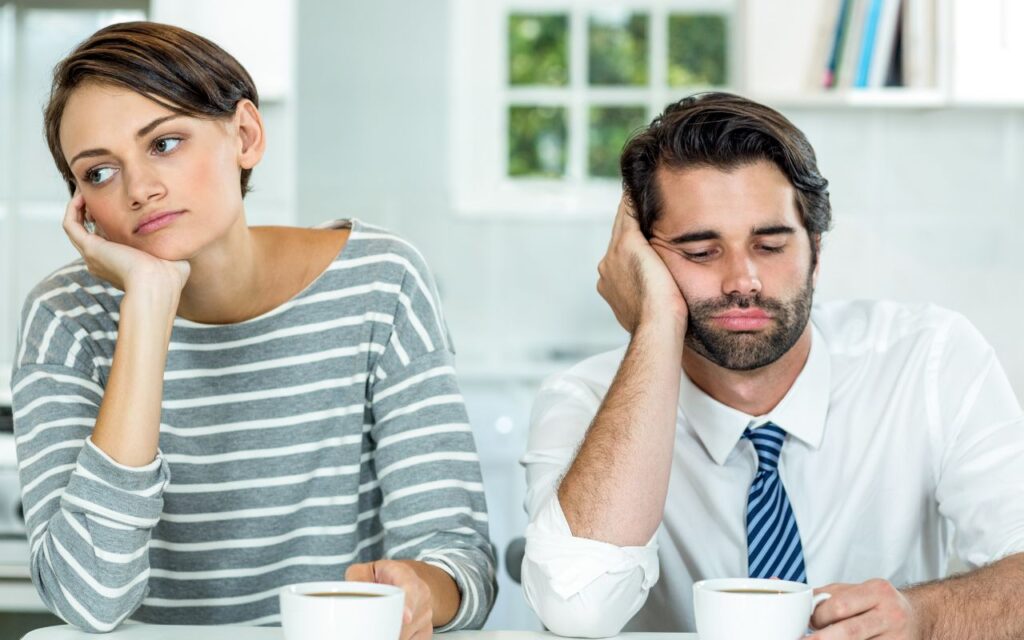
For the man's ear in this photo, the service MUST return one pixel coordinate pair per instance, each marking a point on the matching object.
(816, 243)
(249, 125)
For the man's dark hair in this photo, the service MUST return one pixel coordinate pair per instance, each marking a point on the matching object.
(723, 131)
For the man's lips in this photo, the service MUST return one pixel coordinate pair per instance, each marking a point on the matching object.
(157, 221)
(742, 319)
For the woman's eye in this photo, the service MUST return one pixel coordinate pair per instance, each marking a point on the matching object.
(99, 176)
(165, 145)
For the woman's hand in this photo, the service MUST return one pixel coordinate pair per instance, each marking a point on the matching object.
(122, 266)
(634, 280)
(417, 619)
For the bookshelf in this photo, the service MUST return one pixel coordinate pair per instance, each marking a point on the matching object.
(955, 53)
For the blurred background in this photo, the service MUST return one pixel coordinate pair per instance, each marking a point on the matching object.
(487, 132)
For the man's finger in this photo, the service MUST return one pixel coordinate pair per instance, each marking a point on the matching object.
(846, 603)
(867, 625)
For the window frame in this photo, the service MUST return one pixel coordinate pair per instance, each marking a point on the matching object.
(481, 96)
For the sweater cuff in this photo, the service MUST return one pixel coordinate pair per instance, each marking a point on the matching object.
(131, 496)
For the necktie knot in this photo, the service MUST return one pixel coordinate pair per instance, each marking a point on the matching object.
(767, 442)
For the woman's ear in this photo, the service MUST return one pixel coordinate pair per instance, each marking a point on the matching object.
(249, 125)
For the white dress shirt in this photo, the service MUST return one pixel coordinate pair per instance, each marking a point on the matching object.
(903, 428)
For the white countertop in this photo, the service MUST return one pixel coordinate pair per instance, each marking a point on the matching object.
(134, 631)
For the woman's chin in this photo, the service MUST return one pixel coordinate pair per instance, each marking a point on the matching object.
(167, 251)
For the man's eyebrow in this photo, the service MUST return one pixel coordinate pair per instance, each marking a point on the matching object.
(773, 230)
(708, 234)
(696, 236)
(91, 153)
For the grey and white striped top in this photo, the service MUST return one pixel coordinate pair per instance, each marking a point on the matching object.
(327, 431)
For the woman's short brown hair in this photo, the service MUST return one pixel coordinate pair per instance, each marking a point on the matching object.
(182, 71)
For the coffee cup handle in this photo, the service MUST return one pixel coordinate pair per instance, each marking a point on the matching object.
(818, 599)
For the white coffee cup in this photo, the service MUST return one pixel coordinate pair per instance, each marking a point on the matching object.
(341, 611)
(753, 609)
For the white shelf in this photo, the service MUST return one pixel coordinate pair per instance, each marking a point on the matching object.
(883, 99)
(863, 98)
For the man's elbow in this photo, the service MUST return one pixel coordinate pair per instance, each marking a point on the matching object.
(595, 612)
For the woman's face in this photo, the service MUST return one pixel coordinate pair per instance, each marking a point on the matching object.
(164, 183)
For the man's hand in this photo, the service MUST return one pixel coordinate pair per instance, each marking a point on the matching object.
(633, 278)
(873, 609)
(417, 619)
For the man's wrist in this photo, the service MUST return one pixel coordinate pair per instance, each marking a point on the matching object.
(926, 601)
(662, 327)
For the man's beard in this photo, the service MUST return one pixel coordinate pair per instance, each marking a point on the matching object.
(747, 350)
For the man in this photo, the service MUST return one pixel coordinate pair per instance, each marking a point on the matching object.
(841, 446)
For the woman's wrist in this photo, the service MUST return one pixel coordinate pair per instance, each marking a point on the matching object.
(152, 296)
(444, 592)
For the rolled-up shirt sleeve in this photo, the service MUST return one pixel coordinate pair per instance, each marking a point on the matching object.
(576, 586)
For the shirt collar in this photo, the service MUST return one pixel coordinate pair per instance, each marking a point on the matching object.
(801, 413)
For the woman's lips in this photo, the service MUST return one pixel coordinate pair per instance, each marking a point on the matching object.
(743, 320)
(158, 222)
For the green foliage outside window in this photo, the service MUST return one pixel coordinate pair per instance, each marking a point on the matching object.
(610, 127)
(617, 48)
(537, 140)
(618, 55)
(538, 49)
(697, 45)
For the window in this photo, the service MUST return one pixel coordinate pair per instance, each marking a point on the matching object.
(546, 93)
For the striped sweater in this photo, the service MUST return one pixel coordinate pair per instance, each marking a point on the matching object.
(325, 432)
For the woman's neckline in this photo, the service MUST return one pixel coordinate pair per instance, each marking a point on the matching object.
(342, 223)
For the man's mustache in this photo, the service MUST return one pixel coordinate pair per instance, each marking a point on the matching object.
(714, 306)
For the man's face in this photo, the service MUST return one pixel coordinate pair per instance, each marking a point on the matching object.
(736, 246)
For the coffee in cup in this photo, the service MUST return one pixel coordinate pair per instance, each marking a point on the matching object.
(738, 608)
(341, 611)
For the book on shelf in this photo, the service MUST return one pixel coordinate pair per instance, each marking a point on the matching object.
(838, 40)
(882, 43)
(919, 33)
(887, 43)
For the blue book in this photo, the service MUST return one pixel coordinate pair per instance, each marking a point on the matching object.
(868, 43)
(838, 38)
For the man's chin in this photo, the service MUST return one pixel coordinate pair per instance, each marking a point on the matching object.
(739, 351)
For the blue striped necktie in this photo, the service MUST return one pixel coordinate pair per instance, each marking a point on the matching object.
(773, 540)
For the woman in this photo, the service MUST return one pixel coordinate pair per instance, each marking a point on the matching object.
(206, 411)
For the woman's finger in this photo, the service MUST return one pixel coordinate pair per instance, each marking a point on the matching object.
(74, 218)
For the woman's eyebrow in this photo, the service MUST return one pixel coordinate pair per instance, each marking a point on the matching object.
(91, 153)
(153, 125)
